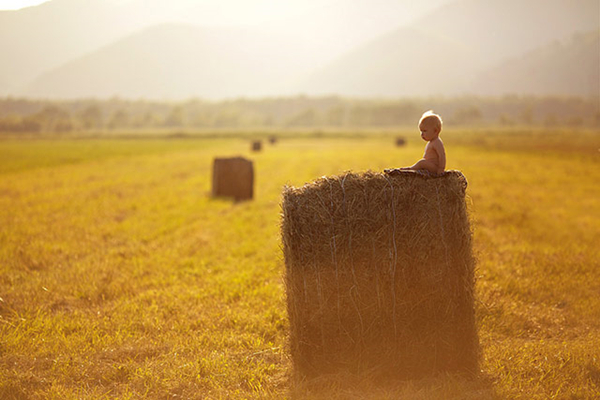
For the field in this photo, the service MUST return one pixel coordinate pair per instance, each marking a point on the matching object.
(121, 278)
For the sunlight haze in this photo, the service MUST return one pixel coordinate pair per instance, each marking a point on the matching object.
(217, 49)
(18, 4)
(248, 199)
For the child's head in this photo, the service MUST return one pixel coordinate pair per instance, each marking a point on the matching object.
(430, 125)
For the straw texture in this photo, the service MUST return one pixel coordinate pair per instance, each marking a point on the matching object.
(380, 275)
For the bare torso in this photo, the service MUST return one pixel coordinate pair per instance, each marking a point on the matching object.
(434, 159)
(431, 154)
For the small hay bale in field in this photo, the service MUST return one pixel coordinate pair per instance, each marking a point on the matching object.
(233, 177)
(380, 275)
(256, 145)
(273, 139)
(400, 141)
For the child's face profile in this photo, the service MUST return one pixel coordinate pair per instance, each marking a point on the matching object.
(428, 131)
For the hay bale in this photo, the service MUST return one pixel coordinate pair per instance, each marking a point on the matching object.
(233, 177)
(400, 141)
(256, 145)
(380, 275)
(272, 139)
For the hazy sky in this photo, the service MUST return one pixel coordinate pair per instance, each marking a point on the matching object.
(276, 8)
(249, 12)
(16, 4)
(258, 12)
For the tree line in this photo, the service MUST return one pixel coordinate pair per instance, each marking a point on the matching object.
(40, 116)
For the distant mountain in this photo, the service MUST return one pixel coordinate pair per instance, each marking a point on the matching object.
(443, 51)
(407, 62)
(566, 68)
(174, 61)
(41, 37)
(498, 29)
(36, 39)
(99, 48)
(336, 27)
(4, 88)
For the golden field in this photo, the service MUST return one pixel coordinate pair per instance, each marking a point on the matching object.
(121, 278)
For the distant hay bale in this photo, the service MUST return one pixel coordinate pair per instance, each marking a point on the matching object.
(400, 141)
(256, 145)
(233, 177)
(380, 275)
(272, 139)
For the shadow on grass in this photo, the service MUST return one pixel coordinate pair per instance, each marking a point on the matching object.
(346, 386)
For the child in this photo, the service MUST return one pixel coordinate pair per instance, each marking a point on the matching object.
(434, 159)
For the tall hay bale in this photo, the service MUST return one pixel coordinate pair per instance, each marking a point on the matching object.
(256, 145)
(233, 177)
(400, 141)
(380, 275)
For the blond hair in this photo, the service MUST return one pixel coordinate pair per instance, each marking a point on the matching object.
(431, 117)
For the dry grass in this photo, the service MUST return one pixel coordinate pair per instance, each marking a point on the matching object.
(120, 276)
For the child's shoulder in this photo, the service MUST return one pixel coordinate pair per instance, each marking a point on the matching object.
(437, 142)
